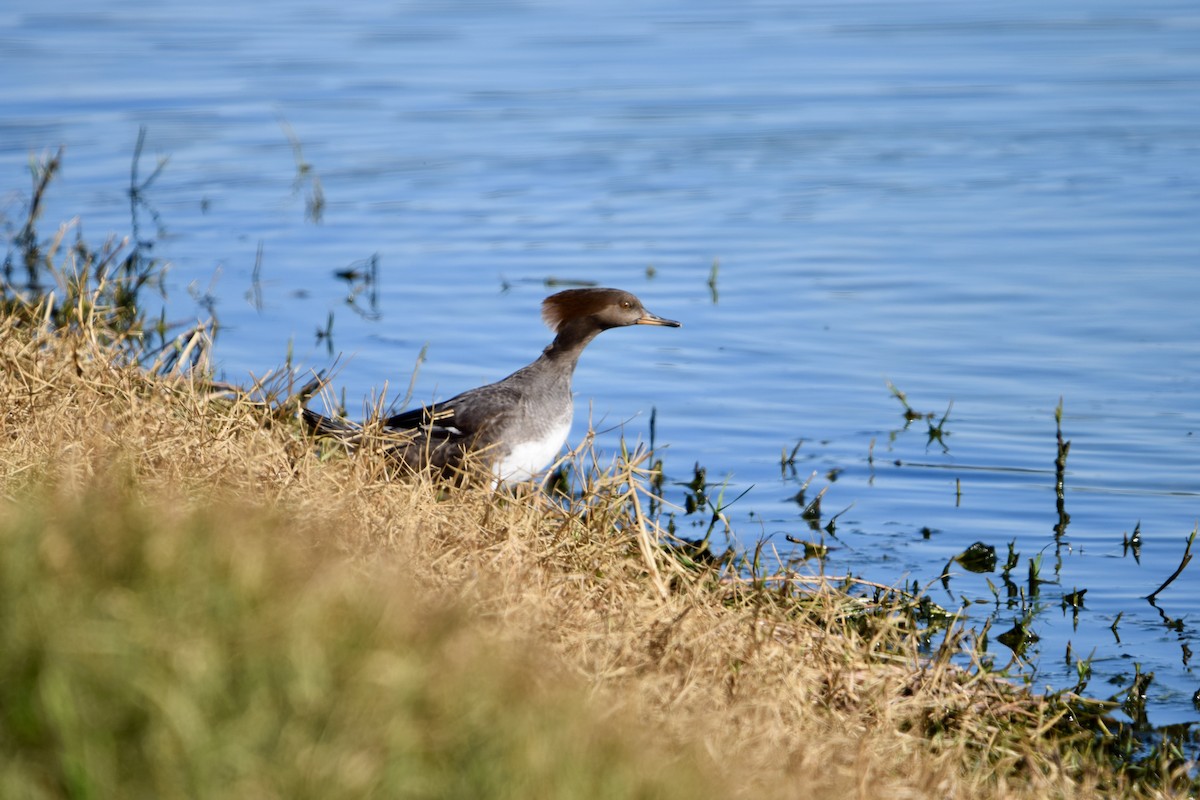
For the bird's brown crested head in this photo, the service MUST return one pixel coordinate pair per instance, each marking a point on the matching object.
(604, 308)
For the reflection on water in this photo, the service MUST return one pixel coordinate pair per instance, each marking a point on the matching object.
(988, 209)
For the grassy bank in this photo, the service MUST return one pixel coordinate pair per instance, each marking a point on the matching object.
(195, 603)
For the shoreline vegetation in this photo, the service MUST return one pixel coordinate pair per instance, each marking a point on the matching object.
(196, 601)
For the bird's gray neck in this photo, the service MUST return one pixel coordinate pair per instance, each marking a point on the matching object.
(571, 340)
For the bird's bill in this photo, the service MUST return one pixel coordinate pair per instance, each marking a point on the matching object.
(651, 319)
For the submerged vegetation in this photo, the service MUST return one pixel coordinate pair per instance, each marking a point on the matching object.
(194, 602)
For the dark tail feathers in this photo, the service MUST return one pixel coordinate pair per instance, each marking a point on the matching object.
(327, 426)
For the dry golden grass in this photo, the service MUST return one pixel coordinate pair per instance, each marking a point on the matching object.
(563, 630)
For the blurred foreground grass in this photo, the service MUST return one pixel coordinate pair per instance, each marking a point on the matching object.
(149, 652)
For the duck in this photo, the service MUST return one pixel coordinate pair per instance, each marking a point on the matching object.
(516, 426)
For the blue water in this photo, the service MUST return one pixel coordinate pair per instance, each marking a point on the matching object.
(990, 206)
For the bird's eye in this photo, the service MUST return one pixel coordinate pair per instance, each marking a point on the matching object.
(626, 304)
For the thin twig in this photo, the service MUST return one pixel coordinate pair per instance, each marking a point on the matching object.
(644, 541)
(1187, 556)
